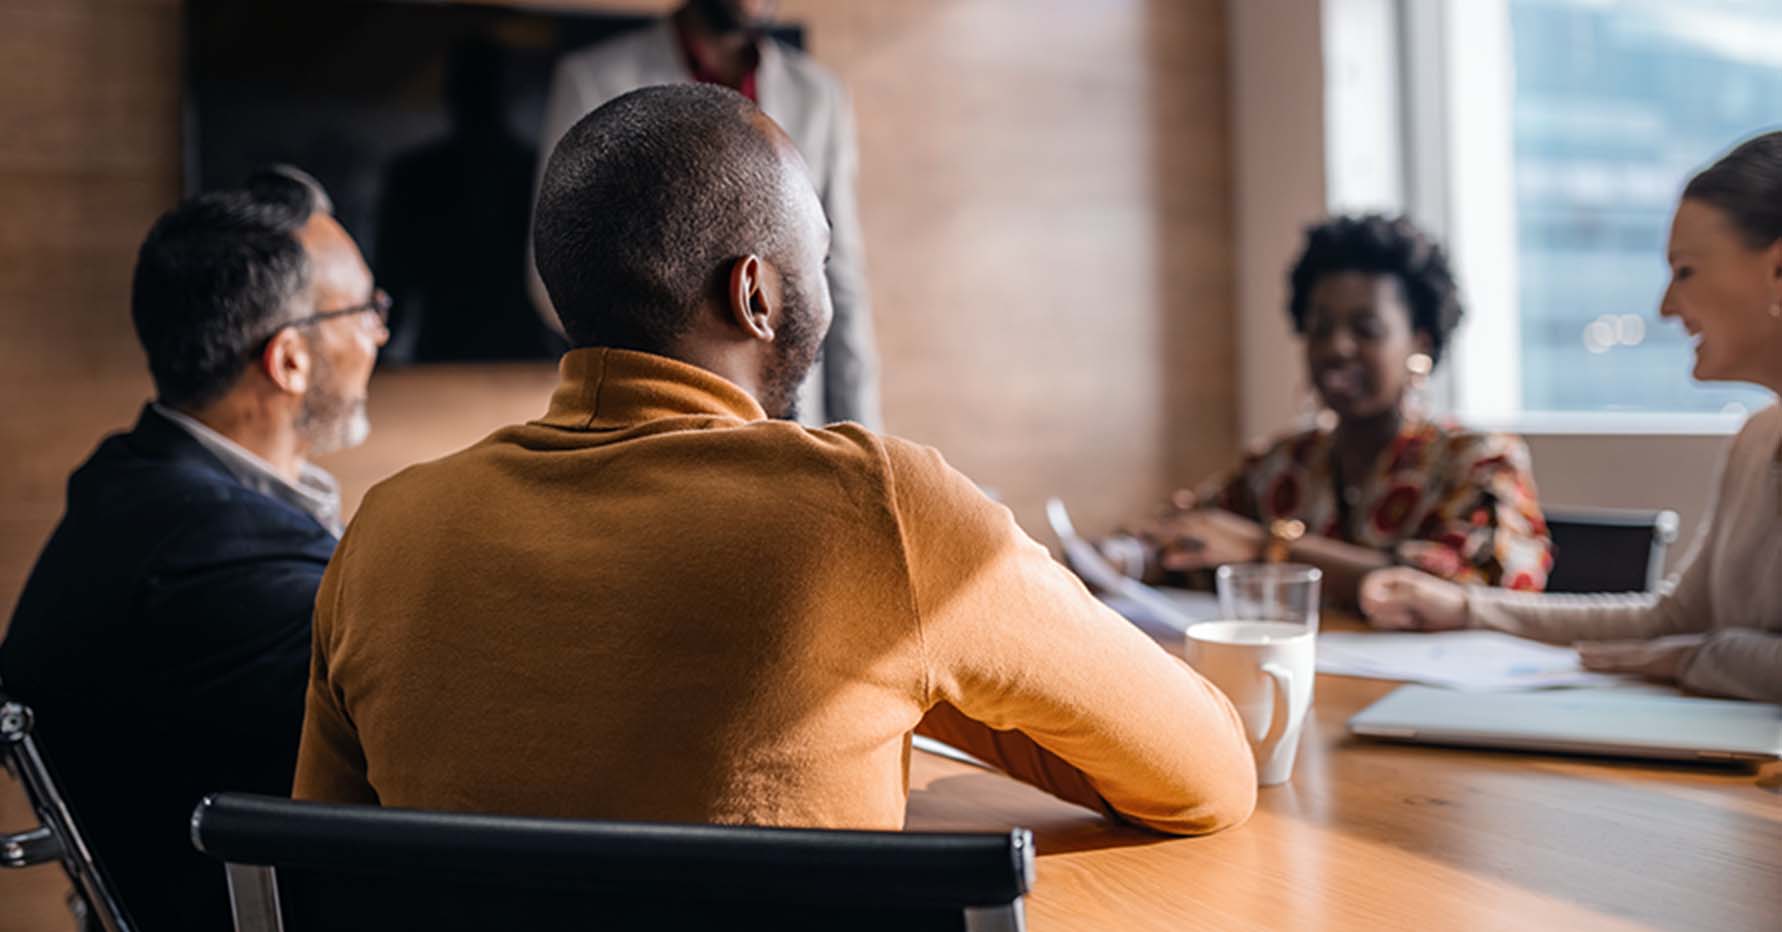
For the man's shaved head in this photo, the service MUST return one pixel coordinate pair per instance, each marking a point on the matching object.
(647, 201)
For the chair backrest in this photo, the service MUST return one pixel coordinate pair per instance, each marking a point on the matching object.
(303, 865)
(56, 837)
(1608, 550)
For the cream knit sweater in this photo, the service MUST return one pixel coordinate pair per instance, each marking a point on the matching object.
(1729, 592)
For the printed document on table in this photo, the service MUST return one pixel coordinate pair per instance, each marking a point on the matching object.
(1470, 660)
(1150, 609)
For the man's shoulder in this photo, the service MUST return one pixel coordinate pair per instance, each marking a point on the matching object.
(121, 475)
(841, 449)
(909, 466)
(138, 522)
(785, 447)
(805, 69)
(921, 477)
(133, 505)
(631, 48)
(818, 88)
(911, 485)
(126, 480)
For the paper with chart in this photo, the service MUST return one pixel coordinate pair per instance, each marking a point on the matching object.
(1470, 660)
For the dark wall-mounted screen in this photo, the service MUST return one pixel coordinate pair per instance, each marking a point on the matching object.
(421, 120)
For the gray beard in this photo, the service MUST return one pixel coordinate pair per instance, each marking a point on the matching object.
(328, 425)
(346, 433)
(327, 420)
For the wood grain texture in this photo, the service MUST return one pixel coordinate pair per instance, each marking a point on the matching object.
(1044, 186)
(1045, 195)
(1373, 836)
(89, 125)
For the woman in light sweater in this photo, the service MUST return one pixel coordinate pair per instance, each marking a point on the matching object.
(1717, 626)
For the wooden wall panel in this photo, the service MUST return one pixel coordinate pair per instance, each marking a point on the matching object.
(1045, 194)
(1045, 190)
(89, 125)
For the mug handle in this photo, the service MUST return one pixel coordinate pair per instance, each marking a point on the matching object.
(1281, 679)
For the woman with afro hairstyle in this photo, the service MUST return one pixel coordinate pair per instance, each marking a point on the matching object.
(1373, 483)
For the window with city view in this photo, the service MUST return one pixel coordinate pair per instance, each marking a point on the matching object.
(1615, 105)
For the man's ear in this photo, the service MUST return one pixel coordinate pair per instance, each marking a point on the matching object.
(288, 362)
(752, 299)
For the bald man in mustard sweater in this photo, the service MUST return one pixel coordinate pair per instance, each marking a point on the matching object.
(664, 600)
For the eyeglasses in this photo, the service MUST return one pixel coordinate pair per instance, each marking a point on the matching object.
(379, 305)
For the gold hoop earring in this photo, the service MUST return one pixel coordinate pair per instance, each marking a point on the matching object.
(1414, 406)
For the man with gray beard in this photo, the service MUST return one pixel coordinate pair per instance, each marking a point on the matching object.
(163, 636)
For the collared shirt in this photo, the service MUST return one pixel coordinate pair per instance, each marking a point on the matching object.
(316, 493)
(705, 74)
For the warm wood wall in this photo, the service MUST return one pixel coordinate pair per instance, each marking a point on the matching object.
(1044, 186)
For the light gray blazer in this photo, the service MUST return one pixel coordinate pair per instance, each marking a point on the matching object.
(811, 104)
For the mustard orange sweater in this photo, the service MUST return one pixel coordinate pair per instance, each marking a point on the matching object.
(654, 603)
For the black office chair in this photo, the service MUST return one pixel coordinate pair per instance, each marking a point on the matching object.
(57, 837)
(305, 866)
(1608, 550)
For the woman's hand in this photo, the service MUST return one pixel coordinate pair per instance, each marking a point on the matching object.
(1661, 659)
(1407, 600)
(1205, 538)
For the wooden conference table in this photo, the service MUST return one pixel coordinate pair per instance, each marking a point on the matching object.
(1379, 836)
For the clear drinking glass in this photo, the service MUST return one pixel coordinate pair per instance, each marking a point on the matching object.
(1284, 592)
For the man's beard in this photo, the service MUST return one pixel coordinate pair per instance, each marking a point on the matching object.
(327, 419)
(795, 350)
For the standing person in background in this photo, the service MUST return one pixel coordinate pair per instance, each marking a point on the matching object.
(163, 636)
(1375, 482)
(1717, 626)
(725, 42)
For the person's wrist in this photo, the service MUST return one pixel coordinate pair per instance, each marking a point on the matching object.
(1279, 538)
(1681, 663)
(1684, 649)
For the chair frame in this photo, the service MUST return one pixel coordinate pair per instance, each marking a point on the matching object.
(56, 837)
(250, 833)
(1663, 522)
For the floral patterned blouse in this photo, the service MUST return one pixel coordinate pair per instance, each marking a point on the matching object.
(1450, 502)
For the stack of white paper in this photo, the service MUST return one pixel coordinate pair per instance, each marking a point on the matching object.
(1144, 606)
(1471, 660)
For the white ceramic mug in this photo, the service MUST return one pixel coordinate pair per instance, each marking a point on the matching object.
(1266, 669)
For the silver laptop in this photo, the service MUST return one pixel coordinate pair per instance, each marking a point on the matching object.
(1617, 722)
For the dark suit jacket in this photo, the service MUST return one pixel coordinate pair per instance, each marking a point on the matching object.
(163, 640)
